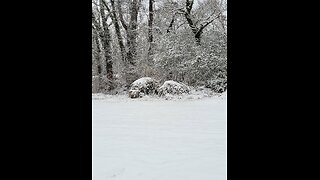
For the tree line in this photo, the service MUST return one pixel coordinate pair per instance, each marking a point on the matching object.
(181, 40)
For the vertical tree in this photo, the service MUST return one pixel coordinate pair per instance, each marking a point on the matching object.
(102, 39)
(115, 21)
(106, 42)
(96, 66)
(131, 32)
(150, 33)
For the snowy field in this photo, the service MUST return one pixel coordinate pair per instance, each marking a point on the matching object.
(157, 139)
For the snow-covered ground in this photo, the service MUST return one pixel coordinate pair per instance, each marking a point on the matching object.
(157, 139)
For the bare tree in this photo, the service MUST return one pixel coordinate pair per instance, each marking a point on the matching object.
(131, 38)
(96, 66)
(196, 27)
(150, 33)
(132, 32)
(102, 38)
(115, 21)
(106, 42)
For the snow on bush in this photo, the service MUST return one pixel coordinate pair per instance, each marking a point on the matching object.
(173, 88)
(143, 86)
(217, 85)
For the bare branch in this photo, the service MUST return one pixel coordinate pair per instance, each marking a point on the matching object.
(189, 4)
(202, 26)
(178, 11)
(190, 22)
(95, 3)
(171, 23)
(106, 6)
(185, 22)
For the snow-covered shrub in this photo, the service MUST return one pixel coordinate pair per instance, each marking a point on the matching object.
(217, 85)
(173, 88)
(134, 93)
(143, 86)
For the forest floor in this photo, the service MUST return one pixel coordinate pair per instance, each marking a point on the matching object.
(156, 139)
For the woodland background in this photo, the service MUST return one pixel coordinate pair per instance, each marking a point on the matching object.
(180, 40)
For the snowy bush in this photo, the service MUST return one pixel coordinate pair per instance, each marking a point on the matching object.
(134, 93)
(173, 88)
(217, 85)
(143, 86)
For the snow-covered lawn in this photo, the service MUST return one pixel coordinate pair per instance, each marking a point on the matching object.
(157, 139)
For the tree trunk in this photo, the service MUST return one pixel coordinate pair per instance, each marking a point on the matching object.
(150, 22)
(118, 31)
(130, 69)
(106, 42)
(150, 34)
(197, 31)
(96, 68)
(132, 33)
(197, 36)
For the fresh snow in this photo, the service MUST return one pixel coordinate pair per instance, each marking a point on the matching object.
(142, 82)
(156, 139)
(173, 88)
(170, 82)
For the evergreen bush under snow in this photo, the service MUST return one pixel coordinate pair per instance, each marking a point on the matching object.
(143, 86)
(217, 85)
(173, 88)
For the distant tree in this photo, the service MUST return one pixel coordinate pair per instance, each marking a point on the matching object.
(150, 33)
(196, 26)
(132, 34)
(102, 39)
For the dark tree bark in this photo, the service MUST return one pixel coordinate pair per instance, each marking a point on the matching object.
(96, 34)
(128, 50)
(171, 24)
(103, 40)
(131, 29)
(106, 42)
(194, 29)
(150, 33)
(117, 29)
(150, 22)
(197, 31)
(97, 54)
(96, 66)
(132, 33)
(130, 68)
(98, 62)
